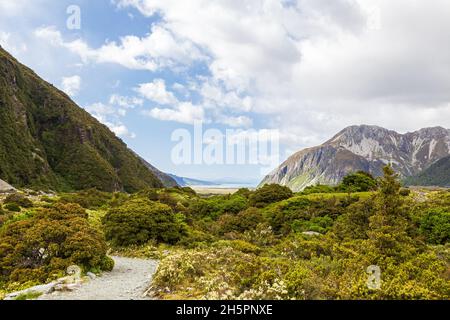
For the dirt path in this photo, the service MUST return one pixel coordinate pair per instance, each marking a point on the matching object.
(128, 281)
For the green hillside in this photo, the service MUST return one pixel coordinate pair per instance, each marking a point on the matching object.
(438, 174)
(47, 141)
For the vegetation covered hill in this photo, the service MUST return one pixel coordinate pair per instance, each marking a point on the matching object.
(265, 244)
(438, 174)
(47, 141)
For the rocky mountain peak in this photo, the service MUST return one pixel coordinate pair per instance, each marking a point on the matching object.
(366, 148)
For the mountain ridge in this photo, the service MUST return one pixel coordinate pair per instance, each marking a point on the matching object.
(436, 175)
(366, 148)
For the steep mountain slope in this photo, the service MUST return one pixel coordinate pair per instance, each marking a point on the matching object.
(366, 148)
(438, 174)
(47, 141)
(165, 178)
(186, 182)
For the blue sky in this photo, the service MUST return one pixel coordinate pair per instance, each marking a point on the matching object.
(305, 68)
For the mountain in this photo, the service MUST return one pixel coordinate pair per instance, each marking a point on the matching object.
(186, 182)
(47, 141)
(366, 148)
(438, 174)
(167, 180)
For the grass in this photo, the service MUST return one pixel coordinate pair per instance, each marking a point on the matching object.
(338, 195)
(29, 296)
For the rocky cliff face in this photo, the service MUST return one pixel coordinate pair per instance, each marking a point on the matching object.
(366, 148)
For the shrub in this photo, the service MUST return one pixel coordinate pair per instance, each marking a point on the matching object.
(245, 220)
(269, 193)
(40, 247)
(216, 206)
(435, 226)
(89, 199)
(239, 245)
(358, 182)
(19, 200)
(149, 193)
(320, 188)
(139, 221)
(234, 204)
(317, 224)
(168, 199)
(404, 192)
(214, 273)
(244, 192)
(13, 207)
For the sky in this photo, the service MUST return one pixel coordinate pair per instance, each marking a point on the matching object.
(304, 68)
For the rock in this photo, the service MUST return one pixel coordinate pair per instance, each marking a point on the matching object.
(64, 287)
(91, 275)
(311, 233)
(5, 187)
(42, 289)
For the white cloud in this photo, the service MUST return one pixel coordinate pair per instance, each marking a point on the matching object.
(237, 122)
(125, 102)
(8, 7)
(156, 91)
(71, 85)
(121, 130)
(184, 112)
(15, 47)
(159, 49)
(311, 67)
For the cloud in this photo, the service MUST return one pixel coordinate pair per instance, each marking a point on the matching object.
(183, 112)
(236, 122)
(311, 67)
(125, 102)
(9, 43)
(71, 85)
(14, 7)
(156, 91)
(158, 49)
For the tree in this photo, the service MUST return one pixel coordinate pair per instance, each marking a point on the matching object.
(358, 182)
(390, 225)
(269, 193)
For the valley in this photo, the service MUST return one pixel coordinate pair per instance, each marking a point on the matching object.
(73, 196)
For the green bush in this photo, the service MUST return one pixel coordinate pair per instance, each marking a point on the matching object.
(149, 193)
(107, 264)
(19, 199)
(139, 221)
(435, 226)
(320, 188)
(358, 182)
(404, 192)
(269, 193)
(13, 207)
(89, 199)
(216, 206)
(243, 221)
(40, 247)
(317, 224)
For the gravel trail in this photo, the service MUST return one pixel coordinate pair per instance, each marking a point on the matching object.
(129, 279)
